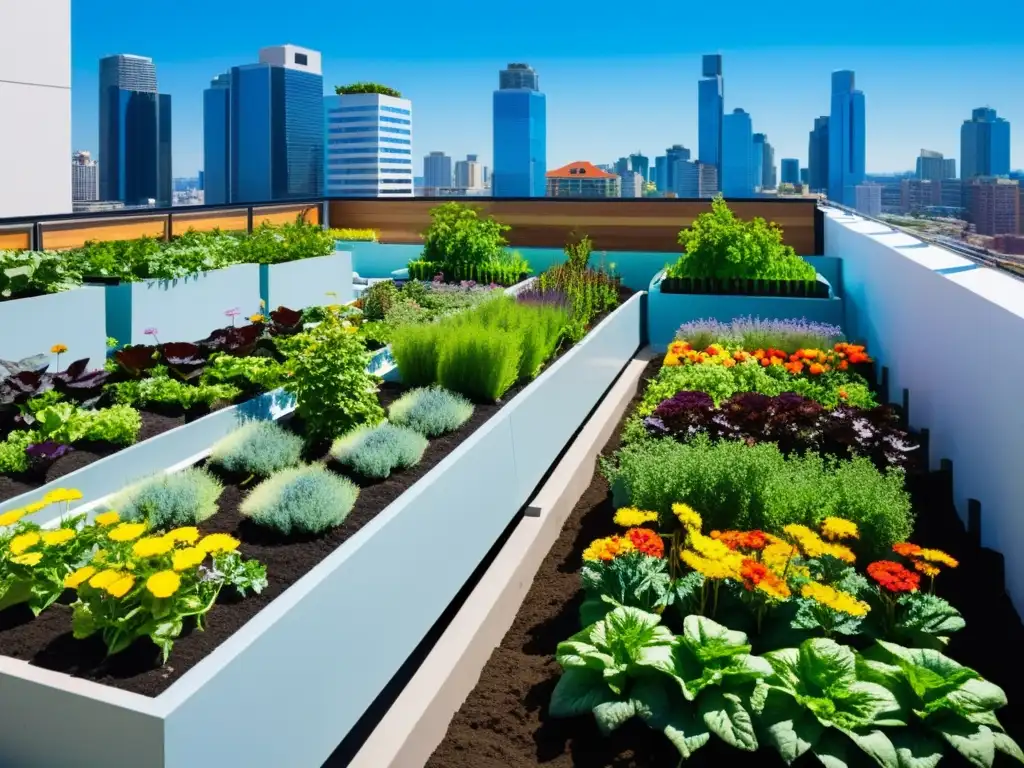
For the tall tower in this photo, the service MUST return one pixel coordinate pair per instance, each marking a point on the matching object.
(520, 134)
(984, 145)
(846, 140)
(710, 111)
(217, 141)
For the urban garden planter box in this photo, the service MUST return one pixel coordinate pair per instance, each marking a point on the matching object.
(187, 308)
(667, 310)
(317, 656)
(74, 318)
(169, 449)
(313, 282)
(802, 289)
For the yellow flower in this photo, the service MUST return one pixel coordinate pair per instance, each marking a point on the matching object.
(35, 506)
(687, 516)
(926, 569)
(122, 586)
(107, 518)
(10, 518)
(257, 318)
(74, 579)
(218, 542)
(187, 535)
(809, 543)
(104, 579)
(837, 529)
(839, 552)
(607, 548)
(26, 540)
(152, 546)
(938, 556)
(59, 349)
(631, 517)
(163, 584)
(184, 559)
(29, 558)
(127, 531)
(841, 602)
(712, 549)
(711, 569)
(57, 537)
(62, 494)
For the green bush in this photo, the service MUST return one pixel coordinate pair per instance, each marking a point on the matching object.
(167, 501)
(432, 412)
(737, 486)
(301, 501)
(332, 389)
(31, 273)
(416, 349)
(539, 327)
(160, 388)
(378, 299)
(13, 458)
(479, 362)
(384, 90)
(459, 236)
(255, 373)
(378, 451)
(270, 244)
(258, 448)
(719, 245)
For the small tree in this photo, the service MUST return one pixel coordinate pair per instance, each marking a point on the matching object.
(383, 90)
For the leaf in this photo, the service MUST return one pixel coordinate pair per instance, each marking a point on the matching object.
(928, 614)
(661, 706)
(915, 748)
(577, 692)
(701, 632)
(727, 718)
(593, 609)
(865, 703)
(826, 665)
(1007, 746)
(876, 745)
(786, 667)
(611, 714)
(975, 696)
(974, 742)
(83, 623)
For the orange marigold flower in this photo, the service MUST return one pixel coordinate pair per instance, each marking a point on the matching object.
(842, 392)
(893, 577)
(926, 569)
(607, 548)
(677, 347)
(906, 549)
(759, 353)
(765, 362)
(728, 362)
(816, 369)
(752, 573)
(857, 357)
(646, 542)
(670, 359)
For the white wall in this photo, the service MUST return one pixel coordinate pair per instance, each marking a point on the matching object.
(35, 107)
(953, 340)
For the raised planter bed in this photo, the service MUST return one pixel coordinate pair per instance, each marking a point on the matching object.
(74, 318)
(799, 289)
(310, 656)
(188, 308)
(302, 283)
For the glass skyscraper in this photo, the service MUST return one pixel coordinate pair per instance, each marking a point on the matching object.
(135, 132)
(641, 164)
(520, 134)
(217, 141)
(710, 108)
(846, 140)
(984, 145)
(737, 155)
(673, 155)
(817, 155)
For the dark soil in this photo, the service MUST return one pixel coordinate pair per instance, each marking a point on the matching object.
(47, 641)
(504, 722)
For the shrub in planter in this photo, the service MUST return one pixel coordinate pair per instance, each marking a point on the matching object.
(459, 235)
(432, 411)
(259, 448)
(165, 501)
(34, 273)
(750, 334)
(378, 451)
(479, 362)
(416, 349)
(269, 244)
(378, 299)
(301, 501)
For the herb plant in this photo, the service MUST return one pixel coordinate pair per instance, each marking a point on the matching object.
(377, 451)
(186, 498)
(258, 448)
(304, 501)
(432, 411)
(34, 273)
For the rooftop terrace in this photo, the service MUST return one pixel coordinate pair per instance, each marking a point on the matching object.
(398, 592)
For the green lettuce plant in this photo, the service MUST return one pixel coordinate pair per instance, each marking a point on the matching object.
(947, 704)
(816, 702)
(632, 579)
(459, 236)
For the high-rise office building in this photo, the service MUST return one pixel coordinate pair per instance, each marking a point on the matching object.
(437, 170)
(135, 132)
(641, 164)
(35, 107)
(790, 171)
(817, 156)
(932, 166)
(737, 155)
(469, 173)
(217, 141)
(276, 145)
(805, 176)
(85, 180)
(631, 184)
(621, 165)
(869, 199)
(695, 179)
(710, 111)
(661, 173)
(757, 158)
(995, 205)
(846, 139)
(764, 163)
(369, 145)
(984, 145)
(520, 134)
(673, 155)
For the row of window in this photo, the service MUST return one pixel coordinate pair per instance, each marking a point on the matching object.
(369, 119)
(369, 140)
(372, 108)
(371, 161)
(379, 128)
(369, 151)
(366, 171)
(372, 191)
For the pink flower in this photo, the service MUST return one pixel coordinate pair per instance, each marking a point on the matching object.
(233, 312)
(150, 332)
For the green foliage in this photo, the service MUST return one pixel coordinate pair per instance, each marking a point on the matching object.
(161, 388)
(405, 312)
(479, 362)
(301, 501)
(32, 273)
(816, 702)
(258, 448)
(270, 244)
(507, 269)
(416, 349)
(377, 451)
(633, 580)
(167, 501)
(378, 299)
(538, 326)
(13, 458)
(588, 292)
(252, 374)
(355, 235)
(151, 259)
(738, 486)
(333, 391)
(431, 411)
(383, 90)
(458, 237)
(718, 245)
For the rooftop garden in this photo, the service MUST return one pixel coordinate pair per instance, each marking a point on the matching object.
(383, 90)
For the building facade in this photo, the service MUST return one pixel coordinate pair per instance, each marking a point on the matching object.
(660, 173)
(790, 171)
(85, 180)
(846, 139)
(469, 173)
(817, 156)
(984, 145)
(369, 146)
(673, 155)
(738, 176)
(641, 164)
(135, 133)
(217, 141)
(631, 184)
(520, 134)
(582, 179)
(869, 199)
(710, 111)
(995, 206)
(932, 166)
(437, 170)
(695, 179)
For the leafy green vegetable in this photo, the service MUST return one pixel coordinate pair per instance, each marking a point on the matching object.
(633, 579)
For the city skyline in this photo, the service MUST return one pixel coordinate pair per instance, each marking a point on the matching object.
(655, 95)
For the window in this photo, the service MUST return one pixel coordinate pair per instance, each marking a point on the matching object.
(396, 110)
(301, 58)
(399, 120)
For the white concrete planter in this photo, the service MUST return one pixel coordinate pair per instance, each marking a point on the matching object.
(314, 282)
(75, 318)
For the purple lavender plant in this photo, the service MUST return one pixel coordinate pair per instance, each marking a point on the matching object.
(546, 297)
(703, 332)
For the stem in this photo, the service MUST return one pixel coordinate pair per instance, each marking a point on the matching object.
(703, 597)
(714, 607)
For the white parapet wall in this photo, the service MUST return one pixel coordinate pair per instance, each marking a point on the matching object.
(950, 332)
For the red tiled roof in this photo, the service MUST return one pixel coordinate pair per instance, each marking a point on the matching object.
(580, 170)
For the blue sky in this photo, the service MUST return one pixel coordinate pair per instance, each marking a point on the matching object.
(618, 76)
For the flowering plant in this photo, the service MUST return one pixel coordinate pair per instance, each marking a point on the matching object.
(812, 362)
(145, 584)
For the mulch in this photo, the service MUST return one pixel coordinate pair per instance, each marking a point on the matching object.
(504, 721)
